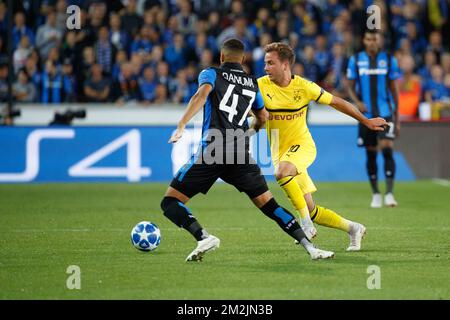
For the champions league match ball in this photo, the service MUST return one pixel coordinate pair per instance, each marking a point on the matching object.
(145, 236)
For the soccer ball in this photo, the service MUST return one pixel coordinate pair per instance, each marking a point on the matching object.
(145, 236)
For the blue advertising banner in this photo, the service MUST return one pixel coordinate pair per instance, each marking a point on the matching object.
(143, 154)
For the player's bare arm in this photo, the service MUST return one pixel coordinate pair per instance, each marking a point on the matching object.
(352, 93)
(377, 124)
(197, 101)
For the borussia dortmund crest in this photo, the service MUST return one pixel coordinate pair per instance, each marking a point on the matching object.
(297, 95)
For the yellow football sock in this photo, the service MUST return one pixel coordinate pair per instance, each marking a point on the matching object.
(329, 218)
(295, 195)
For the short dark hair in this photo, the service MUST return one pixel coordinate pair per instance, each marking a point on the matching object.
(371, 32)
(284, 51)
(233, 45)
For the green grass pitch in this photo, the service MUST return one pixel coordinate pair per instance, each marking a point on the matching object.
(44, 228)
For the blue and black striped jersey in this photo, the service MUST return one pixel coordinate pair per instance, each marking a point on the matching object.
(372, 85)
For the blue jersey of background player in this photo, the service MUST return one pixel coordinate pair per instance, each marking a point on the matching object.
(226, 94)
(372, 74)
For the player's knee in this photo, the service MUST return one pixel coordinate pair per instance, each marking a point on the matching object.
(167, 203)
(285, 169)
(283, 173)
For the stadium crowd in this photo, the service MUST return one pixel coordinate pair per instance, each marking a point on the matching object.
(151, 51)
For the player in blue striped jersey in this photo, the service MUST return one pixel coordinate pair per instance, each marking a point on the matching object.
(372, 86)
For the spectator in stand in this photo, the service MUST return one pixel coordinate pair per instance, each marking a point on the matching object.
(48, 36)
(262, 23)
(118, 37)
(121, 58)
(172, 28)
(161, 94)
(175, 54)
(52, 84)
(180, 89)
(186, 19)
(312, 69)
(53, 56)
(147, 85)
(282, 27)
(97, 87)
(430, 61)
(309, 34)
(214, 28)
(206, 60)
(258, 55)
(70, 48)
(83, 70)
(31, 68)
(21, 54)
(333, 8)
(126, 88)
(298, 69)
(23, 89)
(435, 89)
(131, 21)
(435, 44)
(238, 30)
(322, 54)
(20, 29)
(236, 9)
(445, 62)
(162, 73)
(137, 63)
(201, 43)
(104, 50)
(143, 44)
(61, 14)
(69, 81)
(409, 89)
(418, 42)
(334, 79)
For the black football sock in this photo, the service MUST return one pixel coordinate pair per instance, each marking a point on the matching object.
(372, 170)
(179, 213)
(284, 219)
(389, 168)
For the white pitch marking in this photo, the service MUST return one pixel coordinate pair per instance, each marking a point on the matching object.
(442, 182)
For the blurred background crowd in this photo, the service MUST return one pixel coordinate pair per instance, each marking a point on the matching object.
(151, 51)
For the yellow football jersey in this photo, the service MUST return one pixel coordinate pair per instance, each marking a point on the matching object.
(287, 109)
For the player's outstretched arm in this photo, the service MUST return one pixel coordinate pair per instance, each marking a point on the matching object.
(377, 124)
(197, 101)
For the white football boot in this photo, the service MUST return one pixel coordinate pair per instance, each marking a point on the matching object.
(316, 253)
(377, 201)
(356, 233)
(208, 244)
(389, 200)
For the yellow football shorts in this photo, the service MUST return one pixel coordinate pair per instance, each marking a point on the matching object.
(301, 155)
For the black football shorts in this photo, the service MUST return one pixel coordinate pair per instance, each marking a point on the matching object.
(193, 178)
(370, 138)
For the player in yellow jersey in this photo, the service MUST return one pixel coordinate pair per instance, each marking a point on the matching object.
(286, 97)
